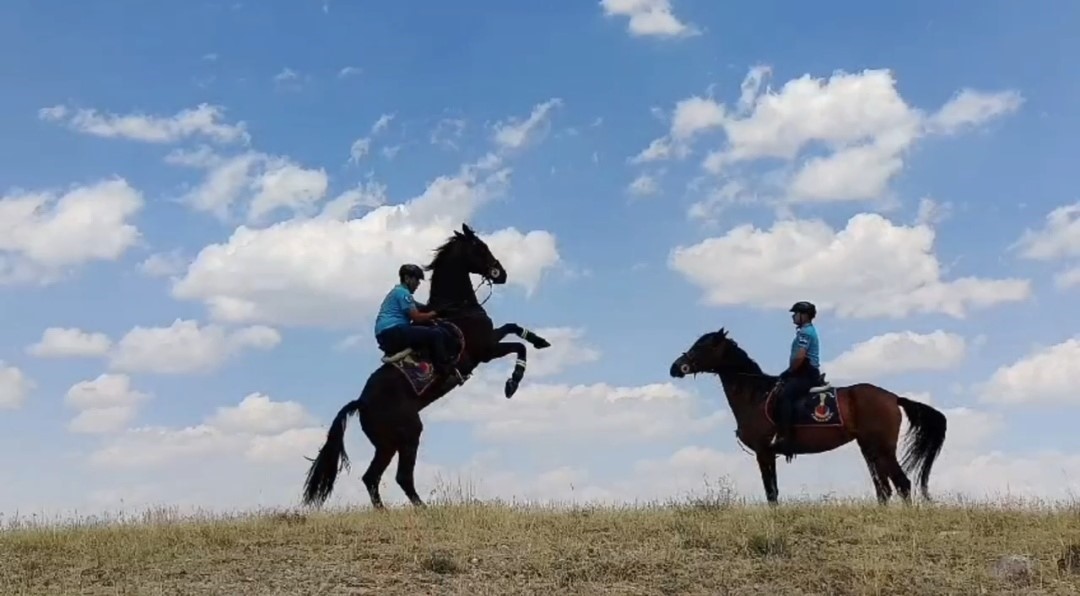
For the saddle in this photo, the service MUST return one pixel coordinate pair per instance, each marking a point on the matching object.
(448, 329)
(822, 385)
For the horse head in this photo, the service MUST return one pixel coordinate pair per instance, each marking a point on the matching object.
(705, 355)
(462, 254)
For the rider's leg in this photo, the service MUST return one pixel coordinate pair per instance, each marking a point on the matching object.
(392, 340)
(431, 338)
(794, 387)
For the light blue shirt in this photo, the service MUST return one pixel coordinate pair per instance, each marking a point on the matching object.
(807, 337)
(395, 308)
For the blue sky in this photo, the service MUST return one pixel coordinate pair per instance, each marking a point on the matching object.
(961, 113)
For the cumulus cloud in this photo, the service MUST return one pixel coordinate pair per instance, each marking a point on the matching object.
(327, 271)
(15, 386)
(898, 352)
(64, 342)
(1048, 375)
(267, 182)
(186, 347)
(844, 137)
(258, 428)
(106, 404)
(871, 268)
(204, 120)
(43, 236)
(648, 18)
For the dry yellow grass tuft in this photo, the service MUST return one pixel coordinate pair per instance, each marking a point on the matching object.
(700, 546)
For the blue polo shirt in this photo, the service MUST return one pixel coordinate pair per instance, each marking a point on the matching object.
(806, 337)
(395, 308)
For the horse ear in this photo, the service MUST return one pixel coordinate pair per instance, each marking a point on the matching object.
(468, 231)
(722, 332)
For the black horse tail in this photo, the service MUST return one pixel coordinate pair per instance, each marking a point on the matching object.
(924, 440)
(324, 468)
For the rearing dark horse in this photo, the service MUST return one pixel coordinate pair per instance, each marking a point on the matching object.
(389, 405)
(824, 419)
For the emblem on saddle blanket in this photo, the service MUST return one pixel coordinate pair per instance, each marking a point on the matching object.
(818, 406)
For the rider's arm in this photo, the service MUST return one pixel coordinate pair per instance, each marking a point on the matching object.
(420, 317)
(803, 341)
(409, 305)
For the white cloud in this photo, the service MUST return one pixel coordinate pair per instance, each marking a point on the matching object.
(327, 271)
(15, 386)
(362, 146)
(648, 18)
(268, 182)
(643, 185)
(205, 120)
(259, 414)
(447, 132)
(106, 404)
(1057, 240)
(165, 264)
(538, 411)
(525, 256)
(1048, 375)
(349, 71)
(286, 185)
(359, 149)
(515, 133)
(970, 108)
(871, 268)
(63, 342)
(692, 117)
(185, 347)
(259, 428)
(858, 122)
(43, 236)
(898, 352)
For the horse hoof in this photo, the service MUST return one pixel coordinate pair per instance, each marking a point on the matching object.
(511, 387)
(541, 343)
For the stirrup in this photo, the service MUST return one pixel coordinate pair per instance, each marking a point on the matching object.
(397, 356)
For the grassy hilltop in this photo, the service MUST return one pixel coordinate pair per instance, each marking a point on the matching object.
(701, 546)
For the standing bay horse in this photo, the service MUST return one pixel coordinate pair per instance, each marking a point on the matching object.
(390, 403)
(824, 419)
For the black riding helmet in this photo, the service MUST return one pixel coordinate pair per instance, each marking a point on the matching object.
(411, 270)
(804, 307)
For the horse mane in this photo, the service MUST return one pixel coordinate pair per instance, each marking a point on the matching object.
(452, 289)
(442, 251)
(736, 360)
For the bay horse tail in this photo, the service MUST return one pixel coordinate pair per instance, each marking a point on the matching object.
(324, 468)
(924, 439)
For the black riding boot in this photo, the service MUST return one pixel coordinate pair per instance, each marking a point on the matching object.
(784, 441)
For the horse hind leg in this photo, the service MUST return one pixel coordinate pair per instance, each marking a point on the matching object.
(898, 477)
(373, 476)
(878, 473)
(407, 453)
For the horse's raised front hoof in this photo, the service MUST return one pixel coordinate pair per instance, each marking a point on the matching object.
(511, 387)
(540, 343)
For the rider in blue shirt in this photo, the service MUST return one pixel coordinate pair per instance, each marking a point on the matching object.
(803, 370)
(394, 328)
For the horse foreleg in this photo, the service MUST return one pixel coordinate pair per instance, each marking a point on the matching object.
(530, 336)
(502, 349)
(767, 463)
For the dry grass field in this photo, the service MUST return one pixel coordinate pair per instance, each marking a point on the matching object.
(699, 546)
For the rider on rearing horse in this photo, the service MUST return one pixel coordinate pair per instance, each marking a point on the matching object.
(802, 373)
(394, 328)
